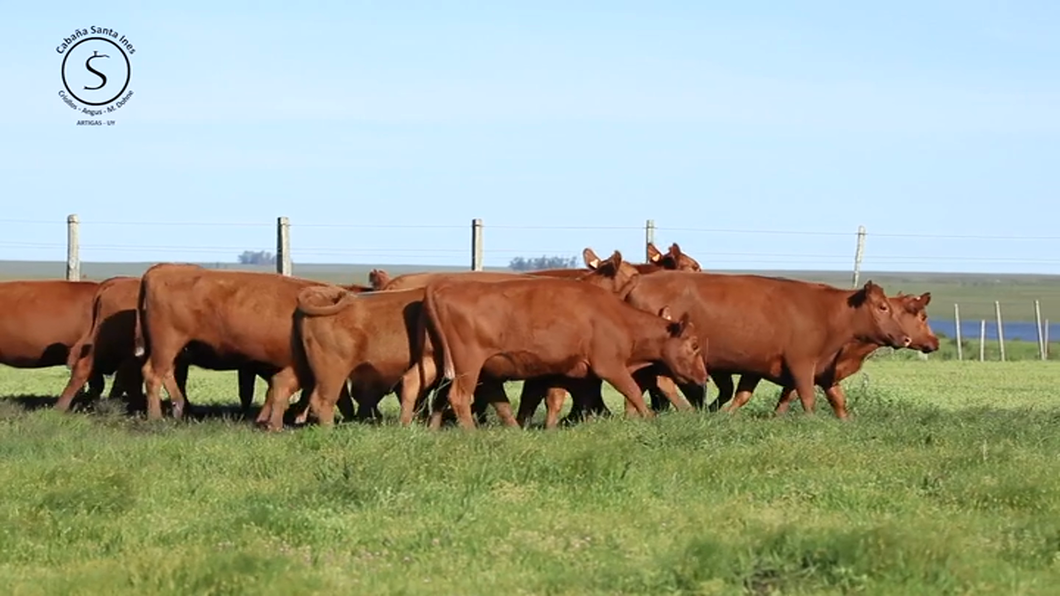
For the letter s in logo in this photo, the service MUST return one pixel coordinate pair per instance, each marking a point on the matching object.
(88, 65)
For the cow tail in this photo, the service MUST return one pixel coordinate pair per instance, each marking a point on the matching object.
(430, 308)
(79, 348)
(139, 344)
(310, 294)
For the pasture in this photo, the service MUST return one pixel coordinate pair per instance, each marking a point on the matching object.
(946, 481)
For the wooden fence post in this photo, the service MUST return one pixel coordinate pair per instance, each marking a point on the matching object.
(649, 238)
(1000, 330)
(957, 321)
(1038, 321)
(283, 246)
(73, 248)
(858, 254)
(476, 244)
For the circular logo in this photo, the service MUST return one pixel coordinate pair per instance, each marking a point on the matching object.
(96, 71)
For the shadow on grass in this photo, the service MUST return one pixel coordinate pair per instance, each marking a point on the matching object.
(120, 408)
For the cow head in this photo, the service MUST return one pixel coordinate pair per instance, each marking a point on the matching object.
(681, 352)
(912, 314)
(672, 259)
(378, 279)
(613, 274)
(878, 321)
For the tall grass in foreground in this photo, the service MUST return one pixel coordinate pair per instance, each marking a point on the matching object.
(946, 481)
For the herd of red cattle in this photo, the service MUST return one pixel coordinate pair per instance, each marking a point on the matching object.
(658, 327)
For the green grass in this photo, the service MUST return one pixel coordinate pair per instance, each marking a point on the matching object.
(975, 292)
(946, 481)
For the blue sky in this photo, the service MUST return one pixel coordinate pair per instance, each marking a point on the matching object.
(755, 134)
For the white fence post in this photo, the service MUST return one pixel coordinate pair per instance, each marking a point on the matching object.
(73, 248)
(476, 244)
(1000, 330)
(649, 238)
(957, 320)
(859, 253)
(283, 246)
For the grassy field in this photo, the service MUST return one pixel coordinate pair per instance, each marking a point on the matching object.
(946, 481)
(975, 293)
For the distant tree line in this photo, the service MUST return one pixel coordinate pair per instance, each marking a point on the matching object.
(257, 257)
(542, 262)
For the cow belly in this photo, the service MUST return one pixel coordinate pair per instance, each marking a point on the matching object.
(35, 356)
(526, 365)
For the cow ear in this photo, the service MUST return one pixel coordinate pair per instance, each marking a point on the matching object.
(677, 329)
(925, 298)
(591, 260)
(675, 250)
(858, 297)
(874, 291)
(664, 312)
(616, 260)
(654, 256)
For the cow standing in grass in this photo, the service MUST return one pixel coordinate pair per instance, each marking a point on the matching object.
(41, 320)
(226, 319)
(911, 310)
(531, 328)
(107, 347)
(782, 330)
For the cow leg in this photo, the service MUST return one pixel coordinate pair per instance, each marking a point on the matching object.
(553, 404)
(531, 396)
(787, 395)
(492, 392)
(180, 375)
(744, 390)
(282, 386)
(367, 400)
(79, 375)
(247, 377)
(347, 407)
(152, 387)
(461, 392)
(695, 394)
(438, 406)
(668, 388)
(324, 396)
(650, 384)
(345, 404)
(96, 383)
(804, 385)
(158, 371)
(838, 399)
(129, 380)
(634, 394)
(414, 389)
(725, 391)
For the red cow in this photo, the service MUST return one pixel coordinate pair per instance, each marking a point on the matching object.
(40, 320)
(913, 314)
(107, 348)
(226, 319)
(529, 328)
(778, 329)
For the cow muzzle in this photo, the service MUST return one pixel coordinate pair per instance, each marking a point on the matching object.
(930, 346)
